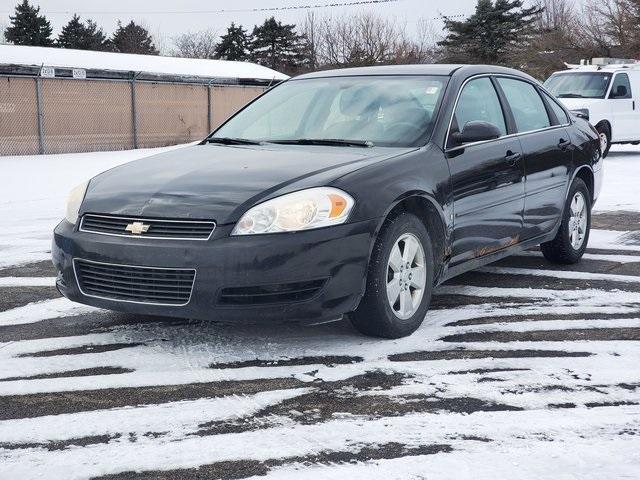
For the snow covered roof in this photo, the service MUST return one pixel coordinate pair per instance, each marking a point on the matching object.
(61, 57)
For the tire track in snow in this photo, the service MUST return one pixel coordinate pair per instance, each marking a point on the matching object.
(337, 388)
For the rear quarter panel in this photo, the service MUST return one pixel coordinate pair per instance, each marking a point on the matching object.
(586, 153)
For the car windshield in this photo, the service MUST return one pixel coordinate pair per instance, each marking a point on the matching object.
(350, 111)
(579, 85)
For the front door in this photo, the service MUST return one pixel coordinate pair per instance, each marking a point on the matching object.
(486, 178)
(623, 111)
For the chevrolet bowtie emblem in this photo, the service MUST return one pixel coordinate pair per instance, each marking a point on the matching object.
(137, 228)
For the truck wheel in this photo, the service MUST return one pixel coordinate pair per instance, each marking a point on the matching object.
(399, 280)
(605, 138)
(570, 242)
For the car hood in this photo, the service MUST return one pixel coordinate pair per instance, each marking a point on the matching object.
(577, 103)
(218, 182)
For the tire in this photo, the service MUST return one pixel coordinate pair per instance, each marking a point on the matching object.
(566, 248)
(605, 138)
(376, 315)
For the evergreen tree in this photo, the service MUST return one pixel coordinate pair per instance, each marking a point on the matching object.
(234, 45)
(83, 36)
(28, 27)
(72, 33)
(95, 39)
(133, 38)
(489, 35)
(278, 46)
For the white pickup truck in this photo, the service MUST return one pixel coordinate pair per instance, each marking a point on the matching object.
(606, 95)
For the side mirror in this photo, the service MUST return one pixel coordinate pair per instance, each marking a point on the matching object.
(620, 91)
(475, 131)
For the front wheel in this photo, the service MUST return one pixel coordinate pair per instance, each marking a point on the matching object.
(570, 242)
(399, 280)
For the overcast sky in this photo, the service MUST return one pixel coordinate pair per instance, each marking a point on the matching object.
(176, 18)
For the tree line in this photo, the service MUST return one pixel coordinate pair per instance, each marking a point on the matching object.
(538, 37)
(29, 27)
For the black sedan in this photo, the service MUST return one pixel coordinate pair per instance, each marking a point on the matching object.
(343, 192)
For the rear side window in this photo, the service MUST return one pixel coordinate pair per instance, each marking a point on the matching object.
(621, 87)
(478, 102)
(561, 115)
(526, 105)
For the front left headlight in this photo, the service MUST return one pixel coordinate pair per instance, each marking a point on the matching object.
(74, 201)
(302, 210)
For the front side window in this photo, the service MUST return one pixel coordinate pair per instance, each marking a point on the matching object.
(383, 110)
(478, 102)
(578, 85)
(621, 87)
(526, 104)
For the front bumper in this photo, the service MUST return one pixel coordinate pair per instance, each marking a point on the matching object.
(339, 254)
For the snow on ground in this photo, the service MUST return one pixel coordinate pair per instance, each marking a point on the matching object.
(621, 174)
(34, 193)
(522, 369)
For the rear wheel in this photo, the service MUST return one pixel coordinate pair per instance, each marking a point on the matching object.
(605, 138)
(570, 242)
(399, 281)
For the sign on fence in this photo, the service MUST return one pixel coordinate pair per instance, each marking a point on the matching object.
(48, 72)
(79, 73)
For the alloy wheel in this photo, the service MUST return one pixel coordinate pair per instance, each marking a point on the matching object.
(578, 221)
(406, 276)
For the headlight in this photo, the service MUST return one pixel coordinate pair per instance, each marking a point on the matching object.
(74, 201)
(303, 210)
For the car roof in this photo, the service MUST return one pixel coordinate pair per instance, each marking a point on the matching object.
(610, 69)
(421, 69)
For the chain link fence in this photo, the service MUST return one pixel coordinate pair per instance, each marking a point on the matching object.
(63, 115)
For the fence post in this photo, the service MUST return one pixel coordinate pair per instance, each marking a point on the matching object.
(209, 120)
(134, 116)
(40, 114)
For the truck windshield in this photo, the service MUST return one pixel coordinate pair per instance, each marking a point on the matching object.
(579, 85)
(341, 111)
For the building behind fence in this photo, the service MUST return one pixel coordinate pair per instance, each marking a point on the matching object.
(64, 109)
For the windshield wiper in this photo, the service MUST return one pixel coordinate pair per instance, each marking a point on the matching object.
(335, 142)
(231, 141)
(571, 95)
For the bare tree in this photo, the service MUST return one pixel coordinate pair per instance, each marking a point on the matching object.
(365, 39)
(553, 39)
(3, 27)
(311, 32)
(196, 44)
(160, 41)
(608, 27)
(421, 49)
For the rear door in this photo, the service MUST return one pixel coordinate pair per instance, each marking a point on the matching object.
(547, 151)
(623, 109)
(486, 177)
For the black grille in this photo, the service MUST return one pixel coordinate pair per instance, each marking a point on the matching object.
(266, 294)
(135, 284)
(155, 228)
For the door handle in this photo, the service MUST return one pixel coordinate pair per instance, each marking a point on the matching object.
(563, 144)
(512, 157)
